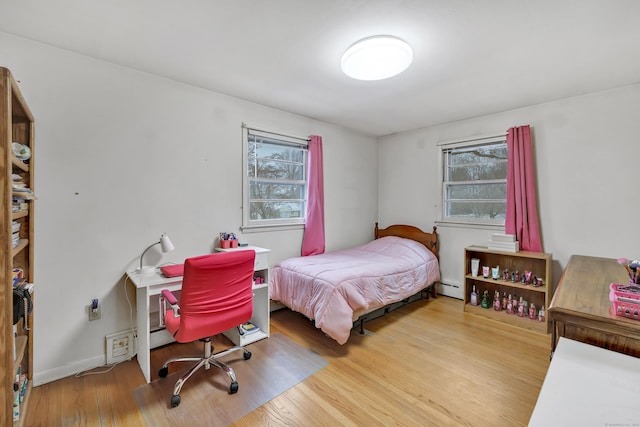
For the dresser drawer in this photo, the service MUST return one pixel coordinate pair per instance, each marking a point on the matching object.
(262, 262)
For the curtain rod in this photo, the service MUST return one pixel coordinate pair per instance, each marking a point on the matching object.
(246, 126)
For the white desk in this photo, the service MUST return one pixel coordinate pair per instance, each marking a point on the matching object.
(148, 286)
(588, 386)
(148, 290)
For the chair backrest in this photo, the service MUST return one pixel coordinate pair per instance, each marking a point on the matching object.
(216, 294)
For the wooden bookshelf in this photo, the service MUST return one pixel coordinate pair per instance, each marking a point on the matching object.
(538, 263)
(16, 352)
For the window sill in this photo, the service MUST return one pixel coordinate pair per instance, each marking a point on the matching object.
(267, 228)
(478, 226)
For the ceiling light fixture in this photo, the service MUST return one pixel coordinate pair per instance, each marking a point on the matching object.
(376, 58)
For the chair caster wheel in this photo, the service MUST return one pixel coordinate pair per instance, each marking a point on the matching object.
(233, 389)
(162, 373)
(175, 400)
(247, 355)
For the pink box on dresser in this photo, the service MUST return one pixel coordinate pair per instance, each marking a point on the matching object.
(625, 299)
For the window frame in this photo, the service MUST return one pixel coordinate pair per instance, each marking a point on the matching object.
(249, 225)
(445, 148)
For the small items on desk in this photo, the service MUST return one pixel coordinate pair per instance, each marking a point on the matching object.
(228, 240)
(625, 299)
(174, 270)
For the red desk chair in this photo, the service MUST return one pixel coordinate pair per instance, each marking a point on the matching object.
(216, 296)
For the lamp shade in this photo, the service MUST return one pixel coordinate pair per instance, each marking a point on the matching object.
(376, 58)
(165, 244)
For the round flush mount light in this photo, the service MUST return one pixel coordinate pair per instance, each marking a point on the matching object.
(376, 58)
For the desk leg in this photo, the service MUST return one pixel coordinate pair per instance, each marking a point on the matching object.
(142, 320)
(553, 338)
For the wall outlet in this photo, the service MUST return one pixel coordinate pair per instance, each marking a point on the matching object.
(94, 313)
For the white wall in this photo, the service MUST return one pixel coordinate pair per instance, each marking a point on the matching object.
(123, 156)
(587, 156)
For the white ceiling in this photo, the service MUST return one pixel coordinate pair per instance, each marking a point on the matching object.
(471, 57)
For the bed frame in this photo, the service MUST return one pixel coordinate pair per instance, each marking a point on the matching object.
(430, 240)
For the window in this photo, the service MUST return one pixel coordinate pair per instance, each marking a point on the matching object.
(474, 181)
(275, 181)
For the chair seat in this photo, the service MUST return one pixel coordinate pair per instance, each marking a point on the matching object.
(207, 326)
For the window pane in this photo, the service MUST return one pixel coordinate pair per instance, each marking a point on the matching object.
(275, 169)
(266, 151)
(479, 163)
(478, 171)
(479, 154)
(276, 210)
(251, 167)
(478, 191)
(473, 209)
(282, 191)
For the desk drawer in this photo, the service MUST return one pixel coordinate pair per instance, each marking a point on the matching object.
(262, 262)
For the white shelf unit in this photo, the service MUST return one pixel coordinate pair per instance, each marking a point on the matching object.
(261, 307)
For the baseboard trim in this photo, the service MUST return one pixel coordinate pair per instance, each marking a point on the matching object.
(450, 288)
(50, 375)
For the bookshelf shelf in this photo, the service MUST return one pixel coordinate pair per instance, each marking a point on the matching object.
(21, 245)
(19, 214)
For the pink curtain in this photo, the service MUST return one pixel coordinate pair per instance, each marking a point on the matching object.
(522, 212)
(313, 239)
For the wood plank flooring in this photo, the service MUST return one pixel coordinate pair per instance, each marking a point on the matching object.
(425, 364)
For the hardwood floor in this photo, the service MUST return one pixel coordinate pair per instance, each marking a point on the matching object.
(425, 364)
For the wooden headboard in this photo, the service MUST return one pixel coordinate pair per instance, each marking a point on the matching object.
(430, 240)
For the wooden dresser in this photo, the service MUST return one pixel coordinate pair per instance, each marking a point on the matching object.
(581, 309)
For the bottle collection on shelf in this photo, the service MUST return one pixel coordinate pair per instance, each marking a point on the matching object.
(526, 278)
(510, 304)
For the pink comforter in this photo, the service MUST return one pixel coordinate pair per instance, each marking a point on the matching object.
(331, 287)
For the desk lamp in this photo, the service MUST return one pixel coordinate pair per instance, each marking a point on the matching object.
(165, 246)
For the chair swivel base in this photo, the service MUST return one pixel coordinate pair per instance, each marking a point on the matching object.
(207, 361)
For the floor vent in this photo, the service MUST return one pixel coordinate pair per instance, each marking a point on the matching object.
(120, 346)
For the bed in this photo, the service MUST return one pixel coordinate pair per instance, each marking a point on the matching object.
(341, 289)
